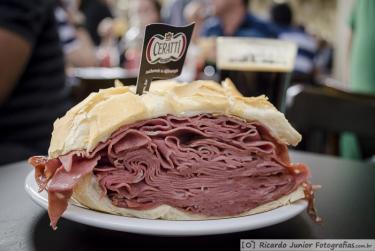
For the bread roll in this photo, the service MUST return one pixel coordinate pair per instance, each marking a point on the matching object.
(101, 113)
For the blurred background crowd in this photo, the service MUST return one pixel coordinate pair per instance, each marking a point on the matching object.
(54, 53)
(109, 33)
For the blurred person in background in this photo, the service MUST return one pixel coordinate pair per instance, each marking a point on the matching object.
(282, 16)
(323, 61)
(108, 50)
(361, 65)
(232, 18)
(141, 13)
(173, 12)
(77, 46)
(362, 47)
(32, 81)
(94, 12)
(194, 11)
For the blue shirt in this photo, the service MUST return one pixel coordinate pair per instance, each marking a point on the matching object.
(250, 27)
(306, 44)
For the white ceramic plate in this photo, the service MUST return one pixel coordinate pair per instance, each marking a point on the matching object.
(168, 227)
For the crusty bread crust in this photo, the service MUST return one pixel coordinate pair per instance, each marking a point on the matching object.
(88, 193)
(94, 119)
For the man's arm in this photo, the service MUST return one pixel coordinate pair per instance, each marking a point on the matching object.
(14, 54)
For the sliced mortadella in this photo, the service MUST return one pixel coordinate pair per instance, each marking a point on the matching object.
(205, 164)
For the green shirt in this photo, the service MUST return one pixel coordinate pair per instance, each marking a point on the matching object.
(362, 65)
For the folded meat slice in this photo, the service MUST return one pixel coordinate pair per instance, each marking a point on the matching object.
(204, 164)
(65, 175)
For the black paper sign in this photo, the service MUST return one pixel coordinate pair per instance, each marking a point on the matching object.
(163, 53)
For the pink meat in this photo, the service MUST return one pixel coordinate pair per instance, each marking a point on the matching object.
(211, 165)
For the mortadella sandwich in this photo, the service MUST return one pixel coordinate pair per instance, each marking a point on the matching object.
(190, 151)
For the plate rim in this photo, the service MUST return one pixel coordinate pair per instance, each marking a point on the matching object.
(168, 227)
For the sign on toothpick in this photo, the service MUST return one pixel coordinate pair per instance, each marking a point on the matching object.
(163, 53)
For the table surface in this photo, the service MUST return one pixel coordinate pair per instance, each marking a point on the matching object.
(346, 203)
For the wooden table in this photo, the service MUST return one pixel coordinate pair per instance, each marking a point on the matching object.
(346, 202)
